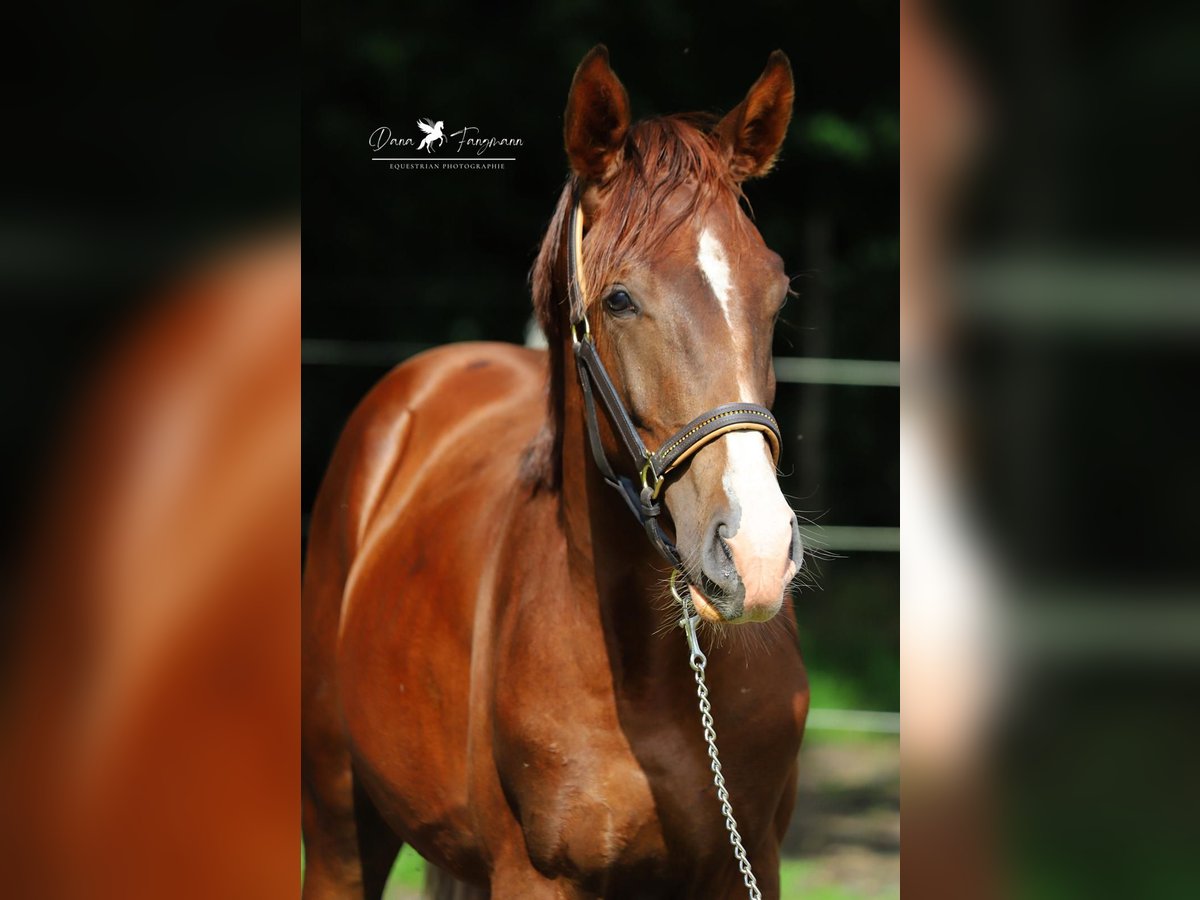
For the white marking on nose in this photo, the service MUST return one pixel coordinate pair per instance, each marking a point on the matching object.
(714, 266)
(761, 546)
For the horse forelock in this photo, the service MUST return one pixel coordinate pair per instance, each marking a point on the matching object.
(674, 173)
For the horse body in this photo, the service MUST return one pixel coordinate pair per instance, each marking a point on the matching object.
(515, 715)
(491, 671)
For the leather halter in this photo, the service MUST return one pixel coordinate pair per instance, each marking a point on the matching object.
(654, 466)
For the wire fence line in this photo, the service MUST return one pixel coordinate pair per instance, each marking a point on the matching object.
(861, 720)
(853, 538)
(849, 372)
(788, 369)
(323, 352)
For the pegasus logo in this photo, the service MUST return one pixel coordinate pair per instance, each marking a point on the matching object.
(433, 133)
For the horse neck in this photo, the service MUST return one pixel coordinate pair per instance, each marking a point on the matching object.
(610, 560)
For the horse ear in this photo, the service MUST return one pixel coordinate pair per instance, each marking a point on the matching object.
(753, 131)
(596, 122)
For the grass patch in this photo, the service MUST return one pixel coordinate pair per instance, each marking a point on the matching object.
(800, 879)
(408, 874)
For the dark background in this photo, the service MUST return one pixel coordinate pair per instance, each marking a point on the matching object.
(140, 141)
(398, 260)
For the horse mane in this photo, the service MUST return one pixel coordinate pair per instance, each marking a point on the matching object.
(663, 155)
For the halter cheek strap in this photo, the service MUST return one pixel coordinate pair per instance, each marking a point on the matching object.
(654, 467)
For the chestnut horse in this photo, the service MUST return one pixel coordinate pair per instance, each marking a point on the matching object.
(491, 672)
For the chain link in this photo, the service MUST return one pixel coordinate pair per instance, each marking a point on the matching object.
(698, 662)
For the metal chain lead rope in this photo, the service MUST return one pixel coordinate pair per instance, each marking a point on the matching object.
(698, 661)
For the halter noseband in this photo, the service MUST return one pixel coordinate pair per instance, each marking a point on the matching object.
(655, 466)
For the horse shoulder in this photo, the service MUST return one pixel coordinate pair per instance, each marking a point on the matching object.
(425, 458)
(582, 800)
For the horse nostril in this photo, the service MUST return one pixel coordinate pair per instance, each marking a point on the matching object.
(723, 545)
(797, 551)
(720, 559)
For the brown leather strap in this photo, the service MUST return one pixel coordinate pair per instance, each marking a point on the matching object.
(592, 370)
(712, 425)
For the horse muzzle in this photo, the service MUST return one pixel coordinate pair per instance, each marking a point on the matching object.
(744, 576)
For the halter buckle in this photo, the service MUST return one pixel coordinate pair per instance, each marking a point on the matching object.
(647, 471)
(576, 337)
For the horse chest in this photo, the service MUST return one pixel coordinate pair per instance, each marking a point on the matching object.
(602, 757)
(632, 794)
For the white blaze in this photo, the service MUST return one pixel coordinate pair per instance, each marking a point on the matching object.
(761, 545)
(714, 264)
(716, 269)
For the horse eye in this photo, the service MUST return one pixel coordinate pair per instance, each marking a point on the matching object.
(619, 303)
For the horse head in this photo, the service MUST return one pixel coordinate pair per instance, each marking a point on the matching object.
(682, 296)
